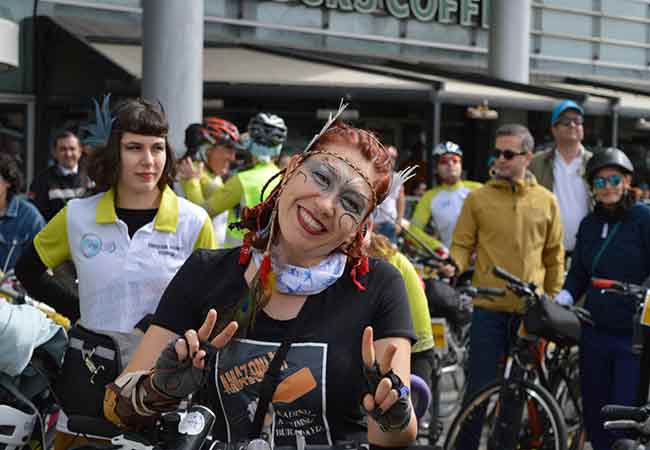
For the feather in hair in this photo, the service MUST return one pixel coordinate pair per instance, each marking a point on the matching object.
(100, 131)
(399, 178)
(329, 123)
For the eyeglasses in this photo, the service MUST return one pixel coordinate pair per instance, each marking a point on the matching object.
(507, 154)
(446, 159)
(613, 180)
(566, 121)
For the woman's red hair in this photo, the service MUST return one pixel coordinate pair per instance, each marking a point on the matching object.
(343, 136)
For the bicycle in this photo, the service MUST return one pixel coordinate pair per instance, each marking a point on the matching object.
(641, 320)
(625, 417)
(628, 418)
(560, 369)
(28, 404)
(450, 309)
(519, 410)
(191, 429)
(450, 364)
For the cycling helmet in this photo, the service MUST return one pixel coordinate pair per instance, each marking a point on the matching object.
(16, 427)
(267, 129)
(447, 147)
(222, 131)
(610, 157)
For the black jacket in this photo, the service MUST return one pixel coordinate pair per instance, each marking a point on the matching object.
(51, 190)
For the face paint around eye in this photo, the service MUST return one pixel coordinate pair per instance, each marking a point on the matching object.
(321, 178)
(338, 178)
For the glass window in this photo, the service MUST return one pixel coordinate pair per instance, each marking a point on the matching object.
(13, 132)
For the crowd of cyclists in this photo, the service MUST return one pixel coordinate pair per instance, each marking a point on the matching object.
(291, 295)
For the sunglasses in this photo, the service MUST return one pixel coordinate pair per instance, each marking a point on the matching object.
(446, 159)
(613, 180)
(566, 121)
(507, 154)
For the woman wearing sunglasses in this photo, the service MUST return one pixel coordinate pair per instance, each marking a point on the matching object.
(612, 242)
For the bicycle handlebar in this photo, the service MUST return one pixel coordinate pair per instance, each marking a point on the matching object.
(603, 283)
(505, 275)
(616, 412)
(619, 287)
(477, 291)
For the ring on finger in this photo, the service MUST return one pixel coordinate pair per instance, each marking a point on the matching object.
(403, 391)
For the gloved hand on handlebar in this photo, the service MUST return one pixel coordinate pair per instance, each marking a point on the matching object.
(387, 399)
(181, 368)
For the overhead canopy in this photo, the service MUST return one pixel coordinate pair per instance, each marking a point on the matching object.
(251, 69)
(233, 65)
(629, 104)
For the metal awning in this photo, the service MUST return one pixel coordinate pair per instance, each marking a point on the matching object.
(629, 102)
(235, 65)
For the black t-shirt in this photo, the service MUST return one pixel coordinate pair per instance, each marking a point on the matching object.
(322, 381)
(135, 218)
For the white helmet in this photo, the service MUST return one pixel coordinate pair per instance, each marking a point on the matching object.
(267, 129)
(447, 147)
(15, 427)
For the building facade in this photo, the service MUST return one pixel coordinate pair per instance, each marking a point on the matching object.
(409, 68)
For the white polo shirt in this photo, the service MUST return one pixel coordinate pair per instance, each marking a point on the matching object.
(121, 279)
(572, 195)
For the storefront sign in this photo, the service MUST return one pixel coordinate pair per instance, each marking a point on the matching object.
(469, 13)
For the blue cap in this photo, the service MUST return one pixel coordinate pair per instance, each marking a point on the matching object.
(563, 106)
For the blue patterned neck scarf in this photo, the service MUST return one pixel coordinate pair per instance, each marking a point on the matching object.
(294, 280)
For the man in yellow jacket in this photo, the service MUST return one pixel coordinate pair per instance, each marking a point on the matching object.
(514, 223)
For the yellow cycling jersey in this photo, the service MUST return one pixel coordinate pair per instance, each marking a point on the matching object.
(417, 302)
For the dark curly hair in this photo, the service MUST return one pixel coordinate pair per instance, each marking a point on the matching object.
(11, 173)
(137, 116)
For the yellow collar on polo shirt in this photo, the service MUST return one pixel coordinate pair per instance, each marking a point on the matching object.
(166, 217)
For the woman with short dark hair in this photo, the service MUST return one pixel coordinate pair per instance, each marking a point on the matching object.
(128, 240)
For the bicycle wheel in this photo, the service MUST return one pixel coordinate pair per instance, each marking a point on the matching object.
(541, 425)
(565, 387)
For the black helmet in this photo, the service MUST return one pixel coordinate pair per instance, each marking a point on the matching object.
(609, 157)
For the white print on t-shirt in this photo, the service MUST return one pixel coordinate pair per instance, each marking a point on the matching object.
(298, 402)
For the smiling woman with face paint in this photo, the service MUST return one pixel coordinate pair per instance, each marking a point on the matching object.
(301, 276)
(612, 242)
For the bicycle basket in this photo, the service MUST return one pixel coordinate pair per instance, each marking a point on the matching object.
(445, 301)
(553, 322)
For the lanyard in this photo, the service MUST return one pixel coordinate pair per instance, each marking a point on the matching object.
(603, 247)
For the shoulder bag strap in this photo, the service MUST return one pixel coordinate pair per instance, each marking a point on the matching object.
(603, 247)
(272, 377)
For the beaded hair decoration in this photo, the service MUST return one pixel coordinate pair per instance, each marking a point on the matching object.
(264, 282)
